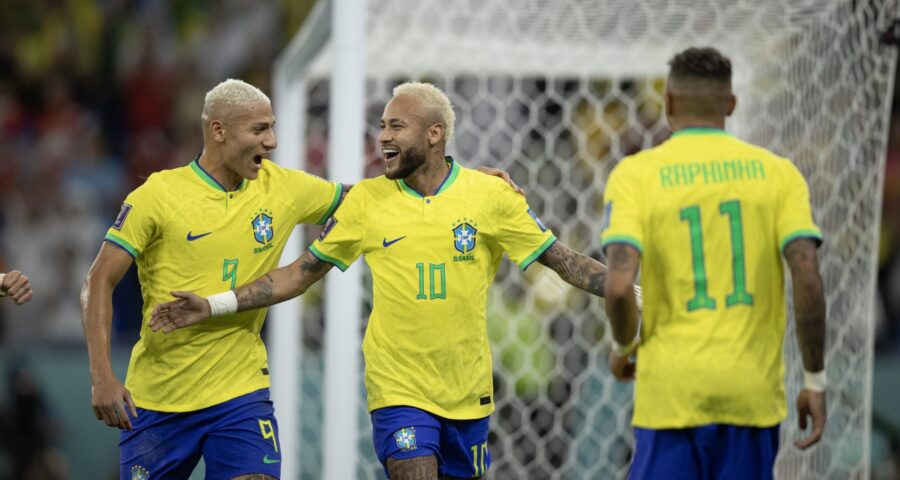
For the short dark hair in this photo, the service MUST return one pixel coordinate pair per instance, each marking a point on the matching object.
(701, 63)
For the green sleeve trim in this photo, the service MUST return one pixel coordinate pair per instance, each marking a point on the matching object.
(524, 264)
(812, 233)
(325, 258)
(121, 243)
(338, 191)
(626, 239)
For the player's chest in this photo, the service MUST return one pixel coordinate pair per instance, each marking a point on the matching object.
(431, 228)
(248, 226)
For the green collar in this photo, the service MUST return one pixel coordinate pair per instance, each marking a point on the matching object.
(700, 131)
(448, 180)
(195, 166)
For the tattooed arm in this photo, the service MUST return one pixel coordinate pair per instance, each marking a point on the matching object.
(621, 307)
(274, 287)
(576, 269)
(809, 313)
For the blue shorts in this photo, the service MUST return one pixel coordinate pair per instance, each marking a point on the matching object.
(705, 453)
(460, 446)
(237, 437)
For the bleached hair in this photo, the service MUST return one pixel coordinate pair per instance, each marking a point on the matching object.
(231, 92)
(434, 98)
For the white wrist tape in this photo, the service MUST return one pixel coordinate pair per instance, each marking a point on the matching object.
(639, 298)
(814, 381)
(2, 291)
(222, 303)
(624, 350)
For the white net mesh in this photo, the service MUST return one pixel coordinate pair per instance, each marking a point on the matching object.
(556, 92)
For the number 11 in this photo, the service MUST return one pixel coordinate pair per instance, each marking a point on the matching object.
(740, 295)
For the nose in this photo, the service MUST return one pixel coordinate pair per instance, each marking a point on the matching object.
(269, 141)
(384, 136)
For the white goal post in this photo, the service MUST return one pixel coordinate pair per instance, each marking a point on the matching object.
(556, 92)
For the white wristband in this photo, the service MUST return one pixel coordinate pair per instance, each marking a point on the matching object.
(222, 303)
(624, 350)
(2, 291)
(814, 381)
(638, 297)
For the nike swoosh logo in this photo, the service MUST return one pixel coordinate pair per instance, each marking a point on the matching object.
(269, 461)
(386, 243)
(191, 238)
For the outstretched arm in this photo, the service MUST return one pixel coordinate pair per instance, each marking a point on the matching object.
(621, 307)
(809, 313)
(274, 287)
(576, 269)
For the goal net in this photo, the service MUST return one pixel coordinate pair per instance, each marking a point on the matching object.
(556, 93)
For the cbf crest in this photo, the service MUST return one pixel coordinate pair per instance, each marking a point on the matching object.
(139, 473)
(263, 231)
(465, 234)
(406, 438)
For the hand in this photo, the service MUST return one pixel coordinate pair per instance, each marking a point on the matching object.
(622, 367)
(188, 310)
(810, 403)
(16, 286)
(496, 172)
(108, 399)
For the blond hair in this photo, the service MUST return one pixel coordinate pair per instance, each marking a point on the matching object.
(433, 98)
(231, 92)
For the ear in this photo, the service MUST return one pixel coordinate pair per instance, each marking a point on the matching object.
(217, 130)
(732, 102)
(435, 133)
(669, 101)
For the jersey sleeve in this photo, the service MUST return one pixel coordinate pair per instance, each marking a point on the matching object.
(622, 211)
(794, 217)
(519, 230)
(341, 240)
(316, 198)
(139, 219)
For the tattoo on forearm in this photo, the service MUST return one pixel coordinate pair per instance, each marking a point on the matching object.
(416, 468)
(576, 269)
(809, 301)
(255, 295)
(310, 263)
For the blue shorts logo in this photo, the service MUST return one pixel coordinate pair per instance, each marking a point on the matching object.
(139, 473)
(464, 238)
(406, 438)
(262, 227)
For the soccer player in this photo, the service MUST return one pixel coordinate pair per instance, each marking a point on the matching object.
(708, 217)
(433, 233)
(219, 221)
(16, 286)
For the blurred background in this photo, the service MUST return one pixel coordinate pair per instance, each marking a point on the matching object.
(97, 94)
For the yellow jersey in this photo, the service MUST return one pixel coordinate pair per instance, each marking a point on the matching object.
(186, 232)
(432, 260)
(711, 216)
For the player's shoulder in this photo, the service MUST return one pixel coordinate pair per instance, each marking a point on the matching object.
(274, 172)
(375, 187)
(481, 182)
(163, 181)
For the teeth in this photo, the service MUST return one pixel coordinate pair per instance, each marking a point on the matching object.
(390, 151)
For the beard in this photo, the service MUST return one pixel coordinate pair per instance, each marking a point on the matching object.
(408, 162)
